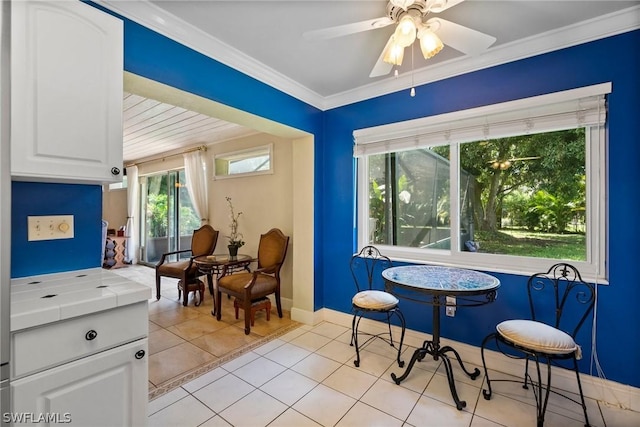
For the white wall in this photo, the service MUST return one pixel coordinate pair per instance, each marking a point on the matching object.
(266, 201)
(114, 207)
(303, 210)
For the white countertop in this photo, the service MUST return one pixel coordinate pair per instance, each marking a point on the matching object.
(37, 300)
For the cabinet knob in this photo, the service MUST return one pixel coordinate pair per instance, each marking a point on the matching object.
(115, 171)
(91, 335)
(140, 354)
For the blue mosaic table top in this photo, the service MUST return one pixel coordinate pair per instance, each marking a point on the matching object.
(446, 279)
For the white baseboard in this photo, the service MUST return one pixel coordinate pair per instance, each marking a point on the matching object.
(306, 317)
(600, 389)
(302, 316)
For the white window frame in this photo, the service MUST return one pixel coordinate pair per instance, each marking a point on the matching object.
(551, 112)
(244, 154)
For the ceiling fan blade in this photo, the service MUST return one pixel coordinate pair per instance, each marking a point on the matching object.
(526, 158)
(464, 39)
(344, 30)
(381, 68)
(447, 4)
(515, 159)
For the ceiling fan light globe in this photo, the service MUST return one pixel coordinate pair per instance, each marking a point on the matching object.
(405, 33)
(430, 43)
(394, 54)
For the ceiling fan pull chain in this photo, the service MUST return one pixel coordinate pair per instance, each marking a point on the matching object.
(413, 89)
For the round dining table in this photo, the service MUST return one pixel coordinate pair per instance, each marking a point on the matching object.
(432, 285)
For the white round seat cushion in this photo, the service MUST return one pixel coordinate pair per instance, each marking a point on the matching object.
(537, 336)
(374, 300)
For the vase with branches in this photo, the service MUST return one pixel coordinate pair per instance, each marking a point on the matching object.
(235, 238)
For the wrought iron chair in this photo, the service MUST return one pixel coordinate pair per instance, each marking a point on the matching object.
(560, 302)
(371, 301)
(203, 242)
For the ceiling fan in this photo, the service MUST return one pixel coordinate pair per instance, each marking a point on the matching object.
(409, 16)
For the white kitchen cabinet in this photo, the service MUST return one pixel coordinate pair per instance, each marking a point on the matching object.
(66, 93)
(89, 370)
(107, 389)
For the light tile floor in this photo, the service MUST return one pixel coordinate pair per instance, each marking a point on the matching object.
(307, 378)
(186, 341)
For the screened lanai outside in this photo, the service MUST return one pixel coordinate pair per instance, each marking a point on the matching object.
(168, 215)
(409, 199)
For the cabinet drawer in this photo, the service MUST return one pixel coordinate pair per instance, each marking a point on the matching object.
(60, 342)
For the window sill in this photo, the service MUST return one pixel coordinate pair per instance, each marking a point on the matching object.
(487, 262)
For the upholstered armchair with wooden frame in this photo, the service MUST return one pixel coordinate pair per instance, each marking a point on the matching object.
(560, 302)
(203, 242)
(263, 281)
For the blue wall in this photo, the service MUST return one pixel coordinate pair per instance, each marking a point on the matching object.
(616, 59)
(84, 202)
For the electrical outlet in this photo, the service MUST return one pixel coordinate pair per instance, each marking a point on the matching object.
(49, 227)
(450, 309)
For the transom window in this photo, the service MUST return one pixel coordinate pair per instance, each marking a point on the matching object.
(510, 187)
(253, 161)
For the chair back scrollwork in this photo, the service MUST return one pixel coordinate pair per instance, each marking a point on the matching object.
(367, 267)
(561, 298)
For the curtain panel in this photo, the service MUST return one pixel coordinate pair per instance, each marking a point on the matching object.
(133, 201)
(195, 174)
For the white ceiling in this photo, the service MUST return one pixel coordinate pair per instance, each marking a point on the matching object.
(152, 128)
(264, 39)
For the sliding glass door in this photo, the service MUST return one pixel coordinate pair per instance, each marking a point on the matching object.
(168, 217)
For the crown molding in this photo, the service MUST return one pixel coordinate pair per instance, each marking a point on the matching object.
(158, 20)
(151, 16)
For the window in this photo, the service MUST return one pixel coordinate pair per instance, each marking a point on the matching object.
(254, 161)
(508, 187)
(408, 201)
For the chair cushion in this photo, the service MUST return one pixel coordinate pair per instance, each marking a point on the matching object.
(537, 336)
(265, 284)
(175, 269)
(374, 300)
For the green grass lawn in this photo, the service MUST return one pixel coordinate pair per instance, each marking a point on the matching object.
(534, 244)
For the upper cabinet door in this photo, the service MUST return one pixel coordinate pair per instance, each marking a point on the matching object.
(66, 93)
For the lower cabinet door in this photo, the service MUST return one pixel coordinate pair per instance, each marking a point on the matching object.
(106, 389)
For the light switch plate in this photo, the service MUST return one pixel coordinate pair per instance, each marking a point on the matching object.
(50, 227)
